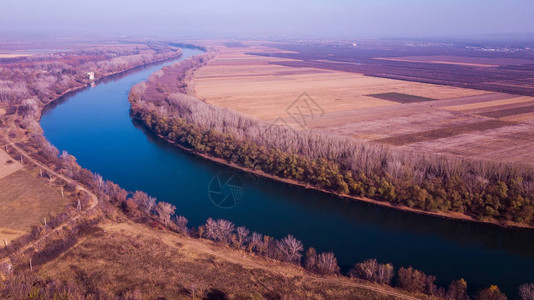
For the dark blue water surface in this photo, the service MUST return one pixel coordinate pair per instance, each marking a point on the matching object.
(94, 125)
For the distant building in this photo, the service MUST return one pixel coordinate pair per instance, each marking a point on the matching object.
(91, 75)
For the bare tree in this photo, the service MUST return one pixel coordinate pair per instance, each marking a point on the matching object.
(144, 201)
(310, 261)
(181, 224)
(165, 211)
(224, 231)
(255, 242)
(98, 181)
(242, 235)
(115, 191)
(385, 273)
(365, 270)
(526, 291)
(211, 229)
(291, 249)
(49, 151)
(69, 163)
(327, 263)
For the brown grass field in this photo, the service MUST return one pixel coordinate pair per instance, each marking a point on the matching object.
(416, 116)
(7, 164)
(25, 201)
(250, 84)
(134, 259)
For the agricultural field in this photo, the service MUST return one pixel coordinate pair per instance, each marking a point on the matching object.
(7, 164)
(453, 65)
(258, 87)
(433, 118)
(486, 62)
(25, 201)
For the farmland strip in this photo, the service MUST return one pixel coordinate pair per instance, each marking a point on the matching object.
(442, 132)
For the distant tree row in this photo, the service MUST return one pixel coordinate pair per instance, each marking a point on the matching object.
(45, 77)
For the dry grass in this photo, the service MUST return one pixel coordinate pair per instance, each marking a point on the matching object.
(129, 256)
(512, 143)
(8, 234)
(7, 164)
(25, 201)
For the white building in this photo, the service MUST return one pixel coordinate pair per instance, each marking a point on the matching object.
(91, 75)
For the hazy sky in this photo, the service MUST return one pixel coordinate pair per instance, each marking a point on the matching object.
(300, 18)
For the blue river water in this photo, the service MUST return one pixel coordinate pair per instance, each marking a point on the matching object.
(94, 125)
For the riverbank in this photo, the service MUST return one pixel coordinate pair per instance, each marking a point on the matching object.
(107, 233)
(16, 137)
(450, 216)
(104, 77)
(308, 159)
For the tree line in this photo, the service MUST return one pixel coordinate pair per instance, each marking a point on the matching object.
(43, 78)
(480, 189)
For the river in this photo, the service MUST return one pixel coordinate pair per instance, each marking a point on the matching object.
(95, 126)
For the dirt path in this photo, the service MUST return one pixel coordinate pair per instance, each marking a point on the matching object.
(64, 178)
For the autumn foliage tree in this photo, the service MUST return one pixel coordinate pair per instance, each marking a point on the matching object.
(415, 280)
(458, 290)
(491, 293)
